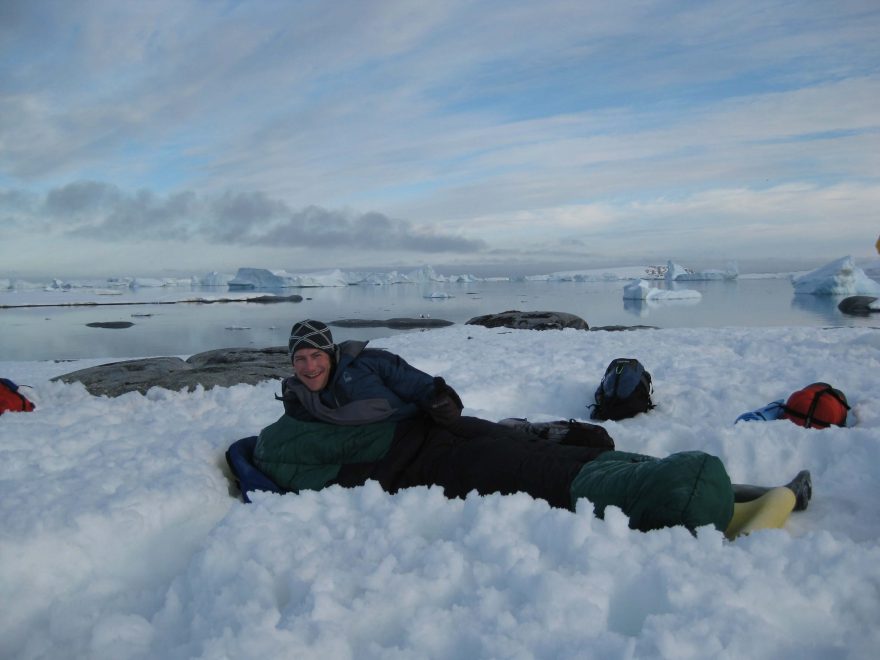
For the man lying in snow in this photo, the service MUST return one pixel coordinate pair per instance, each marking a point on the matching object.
(353, 413)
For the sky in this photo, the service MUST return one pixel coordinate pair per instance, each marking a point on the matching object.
(122, 538)
(145, 138)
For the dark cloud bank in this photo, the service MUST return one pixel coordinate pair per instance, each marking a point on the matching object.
(105, 212)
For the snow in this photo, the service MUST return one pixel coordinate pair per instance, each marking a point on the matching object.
(120, 538)
(642, 290)
(838, 278)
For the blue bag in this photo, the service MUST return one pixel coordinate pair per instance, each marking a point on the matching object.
(768, 413)
(240, 457)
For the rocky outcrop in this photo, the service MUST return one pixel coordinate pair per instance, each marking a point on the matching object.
(113, 325)
(222, 367)
(859, 305)
(530, 320)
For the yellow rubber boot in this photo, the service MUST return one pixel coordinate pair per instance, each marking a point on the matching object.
(769, 511)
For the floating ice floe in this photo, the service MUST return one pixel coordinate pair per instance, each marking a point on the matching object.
(642, 290)
(439, 295)
(839, 278)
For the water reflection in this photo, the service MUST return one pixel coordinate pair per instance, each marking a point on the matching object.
(184, 329)
(822, 307)
(642, 308)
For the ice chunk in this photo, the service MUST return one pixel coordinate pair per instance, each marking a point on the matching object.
(642, 290)
(839, 278)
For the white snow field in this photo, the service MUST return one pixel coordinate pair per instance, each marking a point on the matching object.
(120, 537)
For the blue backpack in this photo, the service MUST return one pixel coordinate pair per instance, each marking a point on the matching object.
(625, 391)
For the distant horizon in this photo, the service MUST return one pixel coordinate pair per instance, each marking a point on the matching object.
(483, 270)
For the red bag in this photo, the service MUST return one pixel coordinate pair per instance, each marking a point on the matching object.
(11, 400)
(817, 406)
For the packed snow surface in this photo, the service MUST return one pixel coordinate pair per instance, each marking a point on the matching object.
(121, 537)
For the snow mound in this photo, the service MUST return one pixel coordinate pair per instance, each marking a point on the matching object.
(121, 538)
(839, 278)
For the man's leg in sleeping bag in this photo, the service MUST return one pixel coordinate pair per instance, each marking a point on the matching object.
(493, 459)
(687, 488)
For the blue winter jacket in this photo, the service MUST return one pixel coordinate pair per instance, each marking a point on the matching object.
(366, 385)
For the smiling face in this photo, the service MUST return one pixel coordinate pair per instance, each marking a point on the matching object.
(312, 366)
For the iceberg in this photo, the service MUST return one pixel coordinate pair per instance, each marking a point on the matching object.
(144, 282)
(678, 273)
(263, 278)
(19, 285)
(839, 278)
(423, 275)
(675, 271)
(593, 275)
(68, 285)
(211, 279)
(642, 290)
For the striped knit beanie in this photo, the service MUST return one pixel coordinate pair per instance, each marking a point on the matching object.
(310, 334)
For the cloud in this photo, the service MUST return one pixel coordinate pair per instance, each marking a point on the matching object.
(474, 127)
(320, 228)
(104, 212)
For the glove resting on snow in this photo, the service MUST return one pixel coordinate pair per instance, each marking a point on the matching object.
(444, 406)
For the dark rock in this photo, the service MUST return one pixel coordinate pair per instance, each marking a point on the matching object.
(397, 324)
(222, 367)
(110, 324)
(618, 328)
(530, 320)
(275, 299)
(858, 305)
(256, 299)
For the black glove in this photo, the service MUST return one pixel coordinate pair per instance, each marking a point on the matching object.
(444, 406)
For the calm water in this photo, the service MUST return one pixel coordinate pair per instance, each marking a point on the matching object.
(183, 329)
